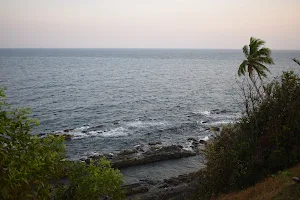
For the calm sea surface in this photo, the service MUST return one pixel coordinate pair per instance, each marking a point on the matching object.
(119, 98)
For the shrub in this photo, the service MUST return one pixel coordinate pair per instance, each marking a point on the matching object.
(29, 165)
(96, 180)
(264, 141)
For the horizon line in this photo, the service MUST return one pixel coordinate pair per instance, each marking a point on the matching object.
(141, 48)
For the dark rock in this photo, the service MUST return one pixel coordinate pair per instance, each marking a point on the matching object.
(139, 148)
(67, 137)
(296, 179)
(68, 130)
(202, 142)
(152, 155)
(84, 131)
(192, 139)
(135, 188)
(154, 143)
(128, 152)
(214, 128)
(204, 122)
(149, 181)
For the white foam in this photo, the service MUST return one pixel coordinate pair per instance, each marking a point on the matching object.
(117, 132)
(202, 112)
(206, 138)
(83, 128)
(140, 124)
(223, 122)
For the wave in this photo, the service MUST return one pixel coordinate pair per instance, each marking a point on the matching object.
(117, 132)
(141, 124)
(205, 112)
(83, 132)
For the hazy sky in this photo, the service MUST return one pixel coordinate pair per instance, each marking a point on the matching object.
(148, 23)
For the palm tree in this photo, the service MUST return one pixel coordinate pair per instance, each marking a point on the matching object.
(256, 57)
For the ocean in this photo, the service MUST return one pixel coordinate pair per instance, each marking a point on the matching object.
(114, 99)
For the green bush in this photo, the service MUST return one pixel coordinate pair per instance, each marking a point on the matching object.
(30, 166)
(260, 143)
(96, 180)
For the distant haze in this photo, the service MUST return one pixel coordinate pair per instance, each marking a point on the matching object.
(214, 24)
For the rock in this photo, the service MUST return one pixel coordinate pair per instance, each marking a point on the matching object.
(214, 128)
(128, 152)
(68, 130)
(135, 188)
(154, 143)
(192, 139)
(202, 142)
(67, 137)
(296, 179)
(138, 148)
(84, 131)
(154, 154)
(204, 122)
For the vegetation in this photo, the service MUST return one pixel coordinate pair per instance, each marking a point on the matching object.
(262, 142)
(31, 167)
(279, 187)
(296, 61)
(256, 57)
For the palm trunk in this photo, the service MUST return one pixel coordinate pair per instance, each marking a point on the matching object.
(254, 83)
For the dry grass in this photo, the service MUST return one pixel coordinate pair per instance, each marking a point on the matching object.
(278, 187)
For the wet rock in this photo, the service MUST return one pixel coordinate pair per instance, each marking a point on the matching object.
(202, 142)
(152, 155)
(192, 139)
(128, 152)
(135, 188)
(149, 181)
(154, 143)
(67, 137)
(68, 130)
(178, 188)
(214, 128)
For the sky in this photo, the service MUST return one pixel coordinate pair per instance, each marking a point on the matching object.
(205, 24)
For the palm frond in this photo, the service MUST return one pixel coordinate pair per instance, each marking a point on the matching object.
(259, 71)
(255, 44)
(266, 60)
(260, 67)
(246, 50)
(242, 68)
(264, 52)
(296, 61)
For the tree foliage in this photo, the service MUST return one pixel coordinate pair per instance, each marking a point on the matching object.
(29, 165)
(261, 143)
(256, 58)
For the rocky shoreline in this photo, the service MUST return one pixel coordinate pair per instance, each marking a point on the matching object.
(175, 188)
(154, 152)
